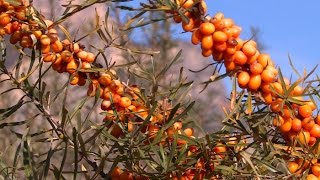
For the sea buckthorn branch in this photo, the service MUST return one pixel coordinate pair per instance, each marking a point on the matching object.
(255, 72)
(219, 37)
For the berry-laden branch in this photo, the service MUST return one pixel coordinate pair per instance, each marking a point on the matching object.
(127, 111)
(219, 37)
(122, 103)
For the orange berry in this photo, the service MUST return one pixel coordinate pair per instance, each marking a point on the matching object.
(249, 50)
(105, 105)
(188, 26)
(53, 35)
(254, 82)
(188, 131)
(16, 26)
(72, 66)
(264, 59)
(49, 57)
(286, 112)
(304, 137)
(82, 80)
(130, 126)
(276, 105)
(230, 65)
(256, 68)
(305, 111)
(186, 3)
(177, 125)
(85, 65)
(315, 131)
(316, 169)
(277, 121)
(37, 34)
(75, 47)
(206, 52)
(239, 43)
(125, 102)
(204, 7)
(207, 28)
(243, 78)
(57, 46)
(4, 19)
(252, 42)
(217, 56)
(66, 56)
(286, 126)
(267, 97)
(220, 148)
(152, 131)
(240, 58)
(75, 79)
(253, 59)
(308, 123)
(219, 36)
(20, 13)
(8, 28)
(231, 50)
(219, 16)
(228, 22)
(277, 88)
(265, 87)
(26, 41)
(45, 49)
(196, 37)
(272, 69)
(317, 119)
(312, 177)
(105, 79)
(268, 76)
(220, 46)
(296, 125)
(297, 91)
(115, 173)
(90, 57)
(235, 31)
(45, 40)
(293, 166)
(177, 18)
(312, 141)
(82, 55)
(15, 37)
(311, 104)
(132, 108)
(207, 42)
(218, 24)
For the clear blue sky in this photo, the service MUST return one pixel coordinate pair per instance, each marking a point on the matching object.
(287, 27)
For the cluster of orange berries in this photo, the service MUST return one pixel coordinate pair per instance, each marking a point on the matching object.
(118, 174)
(219, 37)
(255, 71)
(198, 171)
(11, 18)
(298, 166)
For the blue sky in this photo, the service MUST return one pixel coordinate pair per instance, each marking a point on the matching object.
(287, 27)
